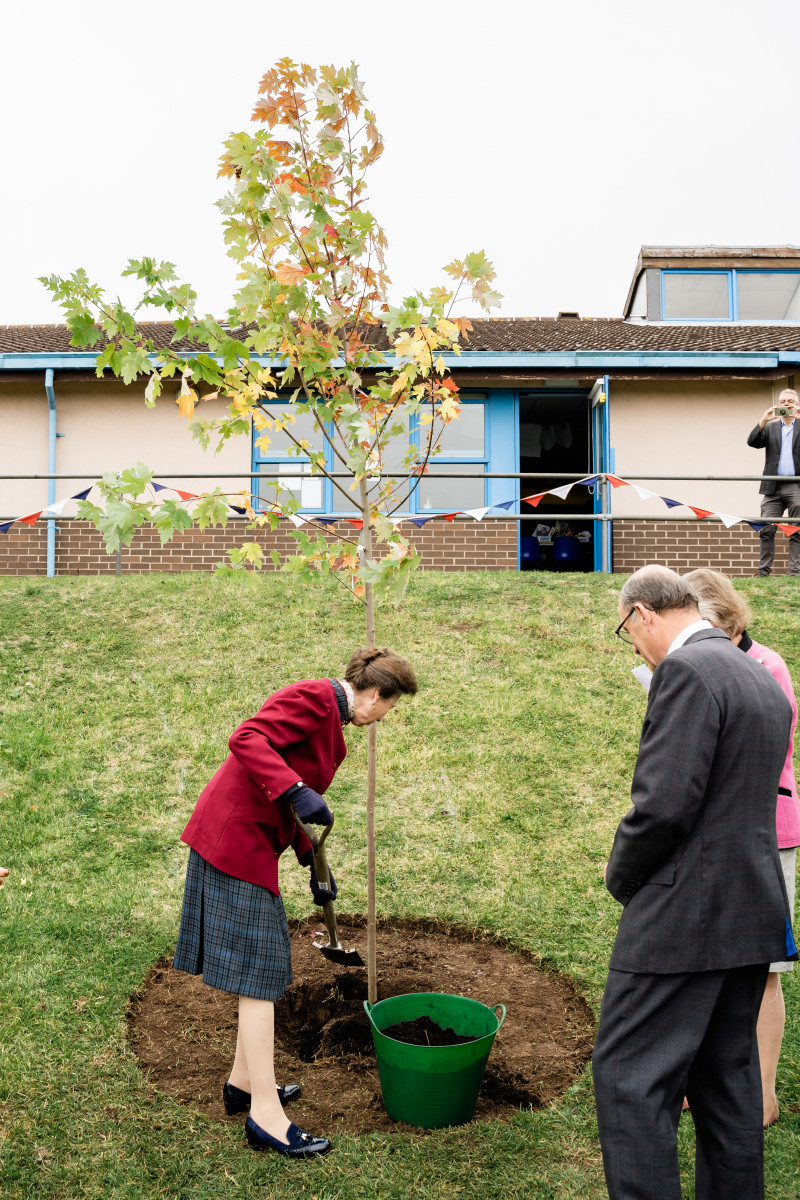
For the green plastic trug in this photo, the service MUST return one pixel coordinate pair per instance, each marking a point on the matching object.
(433, 1086)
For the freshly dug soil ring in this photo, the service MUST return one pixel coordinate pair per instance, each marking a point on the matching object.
(184, 1033)
(422, 1031)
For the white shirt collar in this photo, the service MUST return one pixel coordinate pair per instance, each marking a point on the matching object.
(686, 633)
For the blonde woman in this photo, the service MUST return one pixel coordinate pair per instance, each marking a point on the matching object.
(726, 608)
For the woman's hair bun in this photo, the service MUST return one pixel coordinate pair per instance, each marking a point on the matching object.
(378, 667)
(368, 656)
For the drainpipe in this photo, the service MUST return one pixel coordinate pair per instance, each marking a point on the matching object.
(51, 468)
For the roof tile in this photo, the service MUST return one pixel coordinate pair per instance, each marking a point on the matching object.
(498, 335)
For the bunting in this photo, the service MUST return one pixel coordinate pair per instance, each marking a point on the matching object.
(477, 514)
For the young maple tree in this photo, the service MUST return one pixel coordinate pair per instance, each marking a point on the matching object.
(310, 336)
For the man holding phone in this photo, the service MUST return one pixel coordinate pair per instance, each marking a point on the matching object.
(779, 432)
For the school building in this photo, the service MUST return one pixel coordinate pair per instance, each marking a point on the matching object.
(670, 389)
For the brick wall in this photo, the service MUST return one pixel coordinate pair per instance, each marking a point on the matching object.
(23, 550)
(444, 546)
(685, 545)
(460, 546)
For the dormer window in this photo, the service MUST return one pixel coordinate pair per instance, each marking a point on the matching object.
(730, 295)
(707, 284)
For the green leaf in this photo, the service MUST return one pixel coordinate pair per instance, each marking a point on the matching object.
(134, 480)
(171, 518)
(211, 509)
(85, 330)
(133, 360)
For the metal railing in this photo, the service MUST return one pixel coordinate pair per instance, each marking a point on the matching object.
(605, 517)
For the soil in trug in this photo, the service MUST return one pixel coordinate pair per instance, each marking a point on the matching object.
(422, 1031)
(184, 1033)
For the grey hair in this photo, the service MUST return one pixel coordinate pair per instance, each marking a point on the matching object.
(787, 391)
(658, 588)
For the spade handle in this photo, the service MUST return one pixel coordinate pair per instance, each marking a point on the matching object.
(323, 874)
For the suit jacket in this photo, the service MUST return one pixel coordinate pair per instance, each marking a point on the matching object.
(240, 825)
(695, 861)
(770, 437)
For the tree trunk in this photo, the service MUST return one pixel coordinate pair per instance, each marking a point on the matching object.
(372, 762)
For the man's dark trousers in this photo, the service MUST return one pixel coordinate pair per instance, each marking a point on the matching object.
(785, 498)
(663, 1037)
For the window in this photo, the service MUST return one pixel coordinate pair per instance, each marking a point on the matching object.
(768, 295)
(463, 450)
(277, 459)
(451, 495)
(308, 491)
(393, 456)
(696, 296)
(734, 295)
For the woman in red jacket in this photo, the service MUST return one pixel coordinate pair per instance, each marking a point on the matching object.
(233, 927)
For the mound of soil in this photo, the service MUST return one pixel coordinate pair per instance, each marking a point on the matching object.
(184, 1033)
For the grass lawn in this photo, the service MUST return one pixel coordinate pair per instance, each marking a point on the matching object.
(500, 786)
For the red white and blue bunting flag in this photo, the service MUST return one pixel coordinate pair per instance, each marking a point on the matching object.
(52, 510)
(727, 519)
(477, 514)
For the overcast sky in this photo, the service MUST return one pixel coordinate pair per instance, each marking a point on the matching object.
(557, 138)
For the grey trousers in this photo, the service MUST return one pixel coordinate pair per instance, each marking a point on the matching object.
(663, 1037)
(785, 499)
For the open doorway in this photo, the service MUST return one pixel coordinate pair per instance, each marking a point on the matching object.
(555, 436)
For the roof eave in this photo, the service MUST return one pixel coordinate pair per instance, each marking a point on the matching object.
(582, 360)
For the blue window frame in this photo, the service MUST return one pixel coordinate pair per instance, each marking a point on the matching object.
(696, 296)
(465, 446)
(730, 295)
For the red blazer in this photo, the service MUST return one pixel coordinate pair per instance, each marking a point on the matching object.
(237, 825)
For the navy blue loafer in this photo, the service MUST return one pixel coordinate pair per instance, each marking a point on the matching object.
(237, 1101)
(301, 1144)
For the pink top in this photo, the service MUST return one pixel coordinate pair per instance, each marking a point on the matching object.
(788, 811)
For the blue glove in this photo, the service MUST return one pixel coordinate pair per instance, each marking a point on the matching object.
(309, 807)
(321, 895)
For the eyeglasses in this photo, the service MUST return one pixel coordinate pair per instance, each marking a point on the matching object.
(621, 632)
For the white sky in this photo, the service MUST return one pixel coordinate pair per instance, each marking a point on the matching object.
(558, 138)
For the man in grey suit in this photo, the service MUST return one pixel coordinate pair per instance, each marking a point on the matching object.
(779, 433)
(695, 865)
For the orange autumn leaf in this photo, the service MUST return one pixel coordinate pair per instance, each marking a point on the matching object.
(186, 402)
(287, 273)
(294, 183)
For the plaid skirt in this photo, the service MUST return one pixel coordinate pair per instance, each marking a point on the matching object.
(234, 933)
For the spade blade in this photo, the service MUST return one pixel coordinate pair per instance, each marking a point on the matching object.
(344, 958)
